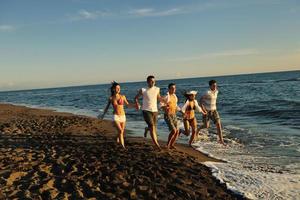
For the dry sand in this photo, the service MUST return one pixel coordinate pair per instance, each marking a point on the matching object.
(50, 155)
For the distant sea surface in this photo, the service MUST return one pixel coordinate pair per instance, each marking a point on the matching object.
(260, 115)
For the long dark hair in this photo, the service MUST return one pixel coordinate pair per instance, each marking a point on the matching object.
(114, 84)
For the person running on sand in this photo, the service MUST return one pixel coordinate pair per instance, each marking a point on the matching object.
(149, 107)
(209, 102)
(170, 109)
(118, 100)
(189, 118)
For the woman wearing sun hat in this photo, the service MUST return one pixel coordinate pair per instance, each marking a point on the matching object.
(189, 118)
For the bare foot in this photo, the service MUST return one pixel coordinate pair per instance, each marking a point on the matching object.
(173, 147)
(221, 142)
(158, 148)
(168, 147)
(197, 138)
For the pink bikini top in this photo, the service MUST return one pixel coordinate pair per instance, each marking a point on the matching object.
(120, 101)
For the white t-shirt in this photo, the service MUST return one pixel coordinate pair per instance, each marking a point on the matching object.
(210, 100)
(150, 98)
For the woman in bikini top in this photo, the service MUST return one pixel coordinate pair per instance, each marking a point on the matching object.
(190, 106)
(118, 101)
(189, 119)
(190, 110)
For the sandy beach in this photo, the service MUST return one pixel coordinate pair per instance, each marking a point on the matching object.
(51, 155)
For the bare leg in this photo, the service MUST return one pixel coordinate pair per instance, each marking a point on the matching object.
(154, 136)
(204, 125)
(194, 127)
(171, 137)
(145, 132)
(186, 130)
(219, 130)
(174, 138)
(120, 133)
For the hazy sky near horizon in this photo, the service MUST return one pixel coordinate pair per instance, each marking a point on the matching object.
(77, 42)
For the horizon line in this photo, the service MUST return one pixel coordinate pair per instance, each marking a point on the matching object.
(92, 84)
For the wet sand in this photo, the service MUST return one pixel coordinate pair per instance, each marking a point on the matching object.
(51, 155)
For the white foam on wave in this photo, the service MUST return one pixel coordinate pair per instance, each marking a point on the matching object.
(232, 127)
(255, 184)
(243, 176)
(218, 174)
(287, 145)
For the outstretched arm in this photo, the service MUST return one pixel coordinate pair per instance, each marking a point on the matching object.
(164, 106)
(200, 109)
(184, 106)
(162, 99)
(202, 99)
(178, 108)
(106, 108)
(129, 105)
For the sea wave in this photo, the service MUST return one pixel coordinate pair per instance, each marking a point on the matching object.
(287, 80)
(243, 174)
(282, 102)
(255, 184)
(254, 81)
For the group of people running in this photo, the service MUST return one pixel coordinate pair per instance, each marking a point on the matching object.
(169, 104)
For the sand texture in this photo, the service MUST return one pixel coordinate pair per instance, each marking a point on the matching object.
(51, 155)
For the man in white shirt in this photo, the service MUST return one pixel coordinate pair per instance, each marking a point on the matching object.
(209, 103)
(149, 107)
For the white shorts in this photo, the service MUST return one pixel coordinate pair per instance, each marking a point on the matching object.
(119, 118)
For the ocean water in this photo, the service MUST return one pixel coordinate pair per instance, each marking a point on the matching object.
(260, 115)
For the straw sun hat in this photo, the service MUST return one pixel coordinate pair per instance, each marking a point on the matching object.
(191, 92)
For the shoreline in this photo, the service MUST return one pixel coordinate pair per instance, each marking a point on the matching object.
(51, 154)
(203, 157)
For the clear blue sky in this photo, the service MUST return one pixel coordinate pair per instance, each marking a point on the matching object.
(76, 42)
